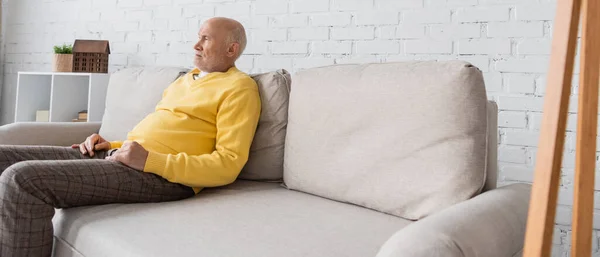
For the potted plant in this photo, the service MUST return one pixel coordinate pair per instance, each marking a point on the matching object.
(63, 58)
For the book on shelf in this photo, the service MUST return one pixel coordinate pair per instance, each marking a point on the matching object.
(82, 115)
(42, 115)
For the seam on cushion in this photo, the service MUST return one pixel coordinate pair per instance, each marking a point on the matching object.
(487, 129)
(487, 132)
(70, 246)
(459, 248)
(254, 181)
(518, 253)
(287, 83)
(449, 240)
(487, 146)
(495, 131)
(492, 111)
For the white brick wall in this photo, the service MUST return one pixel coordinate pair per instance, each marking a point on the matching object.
(353, 33)
(332, 47)
(376, 18)
(309, 33)
(516, 29)
(289, 21)
(309, 6)
(448, 31)
(427, 16)
(484, 46)
(428, 47)
(518, 83)
(331, 19)
(406, 31)
(509, 40)
(480, 14)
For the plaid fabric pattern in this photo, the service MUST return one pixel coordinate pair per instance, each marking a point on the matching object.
(37, 179)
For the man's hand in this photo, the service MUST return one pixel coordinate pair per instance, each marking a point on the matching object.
(131, 154)
(93, 143)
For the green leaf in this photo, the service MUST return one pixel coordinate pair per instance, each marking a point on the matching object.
(64, 49)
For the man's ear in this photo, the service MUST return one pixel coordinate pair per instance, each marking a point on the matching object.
(233, 49)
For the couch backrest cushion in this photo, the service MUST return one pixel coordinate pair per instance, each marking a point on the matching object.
(131, 95)
(407, 138)
(134, 92)
(266, 153)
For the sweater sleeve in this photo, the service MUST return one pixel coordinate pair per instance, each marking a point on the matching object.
(236, 123)
(115, 144)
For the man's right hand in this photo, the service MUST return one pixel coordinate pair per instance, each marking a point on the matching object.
(93, 143)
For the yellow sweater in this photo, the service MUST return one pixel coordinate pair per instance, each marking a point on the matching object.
(200, 132)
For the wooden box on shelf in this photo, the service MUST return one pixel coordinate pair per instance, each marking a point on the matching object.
(63, 95)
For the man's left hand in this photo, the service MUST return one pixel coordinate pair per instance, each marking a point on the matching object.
(131, 154)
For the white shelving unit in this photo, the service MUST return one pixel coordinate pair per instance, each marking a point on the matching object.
(63, 94)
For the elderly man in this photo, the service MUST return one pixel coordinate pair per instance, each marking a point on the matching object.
(198, 136)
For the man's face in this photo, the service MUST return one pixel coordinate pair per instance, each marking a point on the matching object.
(211, 50)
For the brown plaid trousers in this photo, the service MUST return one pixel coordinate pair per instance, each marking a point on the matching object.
(37, 179)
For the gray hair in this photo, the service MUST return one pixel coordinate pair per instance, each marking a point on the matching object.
(238, 35)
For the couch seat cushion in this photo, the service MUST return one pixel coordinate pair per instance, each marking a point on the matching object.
(244, 219)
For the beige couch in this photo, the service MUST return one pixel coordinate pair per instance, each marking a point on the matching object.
(384, 160)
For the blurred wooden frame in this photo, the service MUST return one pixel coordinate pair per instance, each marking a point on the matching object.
(542, 207)
(1, 17)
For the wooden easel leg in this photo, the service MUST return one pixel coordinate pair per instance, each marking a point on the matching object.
(542, 206)
(587, 126)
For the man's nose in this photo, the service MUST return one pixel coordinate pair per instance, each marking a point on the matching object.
(198, 46)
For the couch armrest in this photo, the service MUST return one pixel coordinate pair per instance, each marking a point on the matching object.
(491, 224)
(47, 133)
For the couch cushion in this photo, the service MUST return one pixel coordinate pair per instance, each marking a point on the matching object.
(244, 219)
(491, 174)
(266, 153)
(132, 94)
(406, 138)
